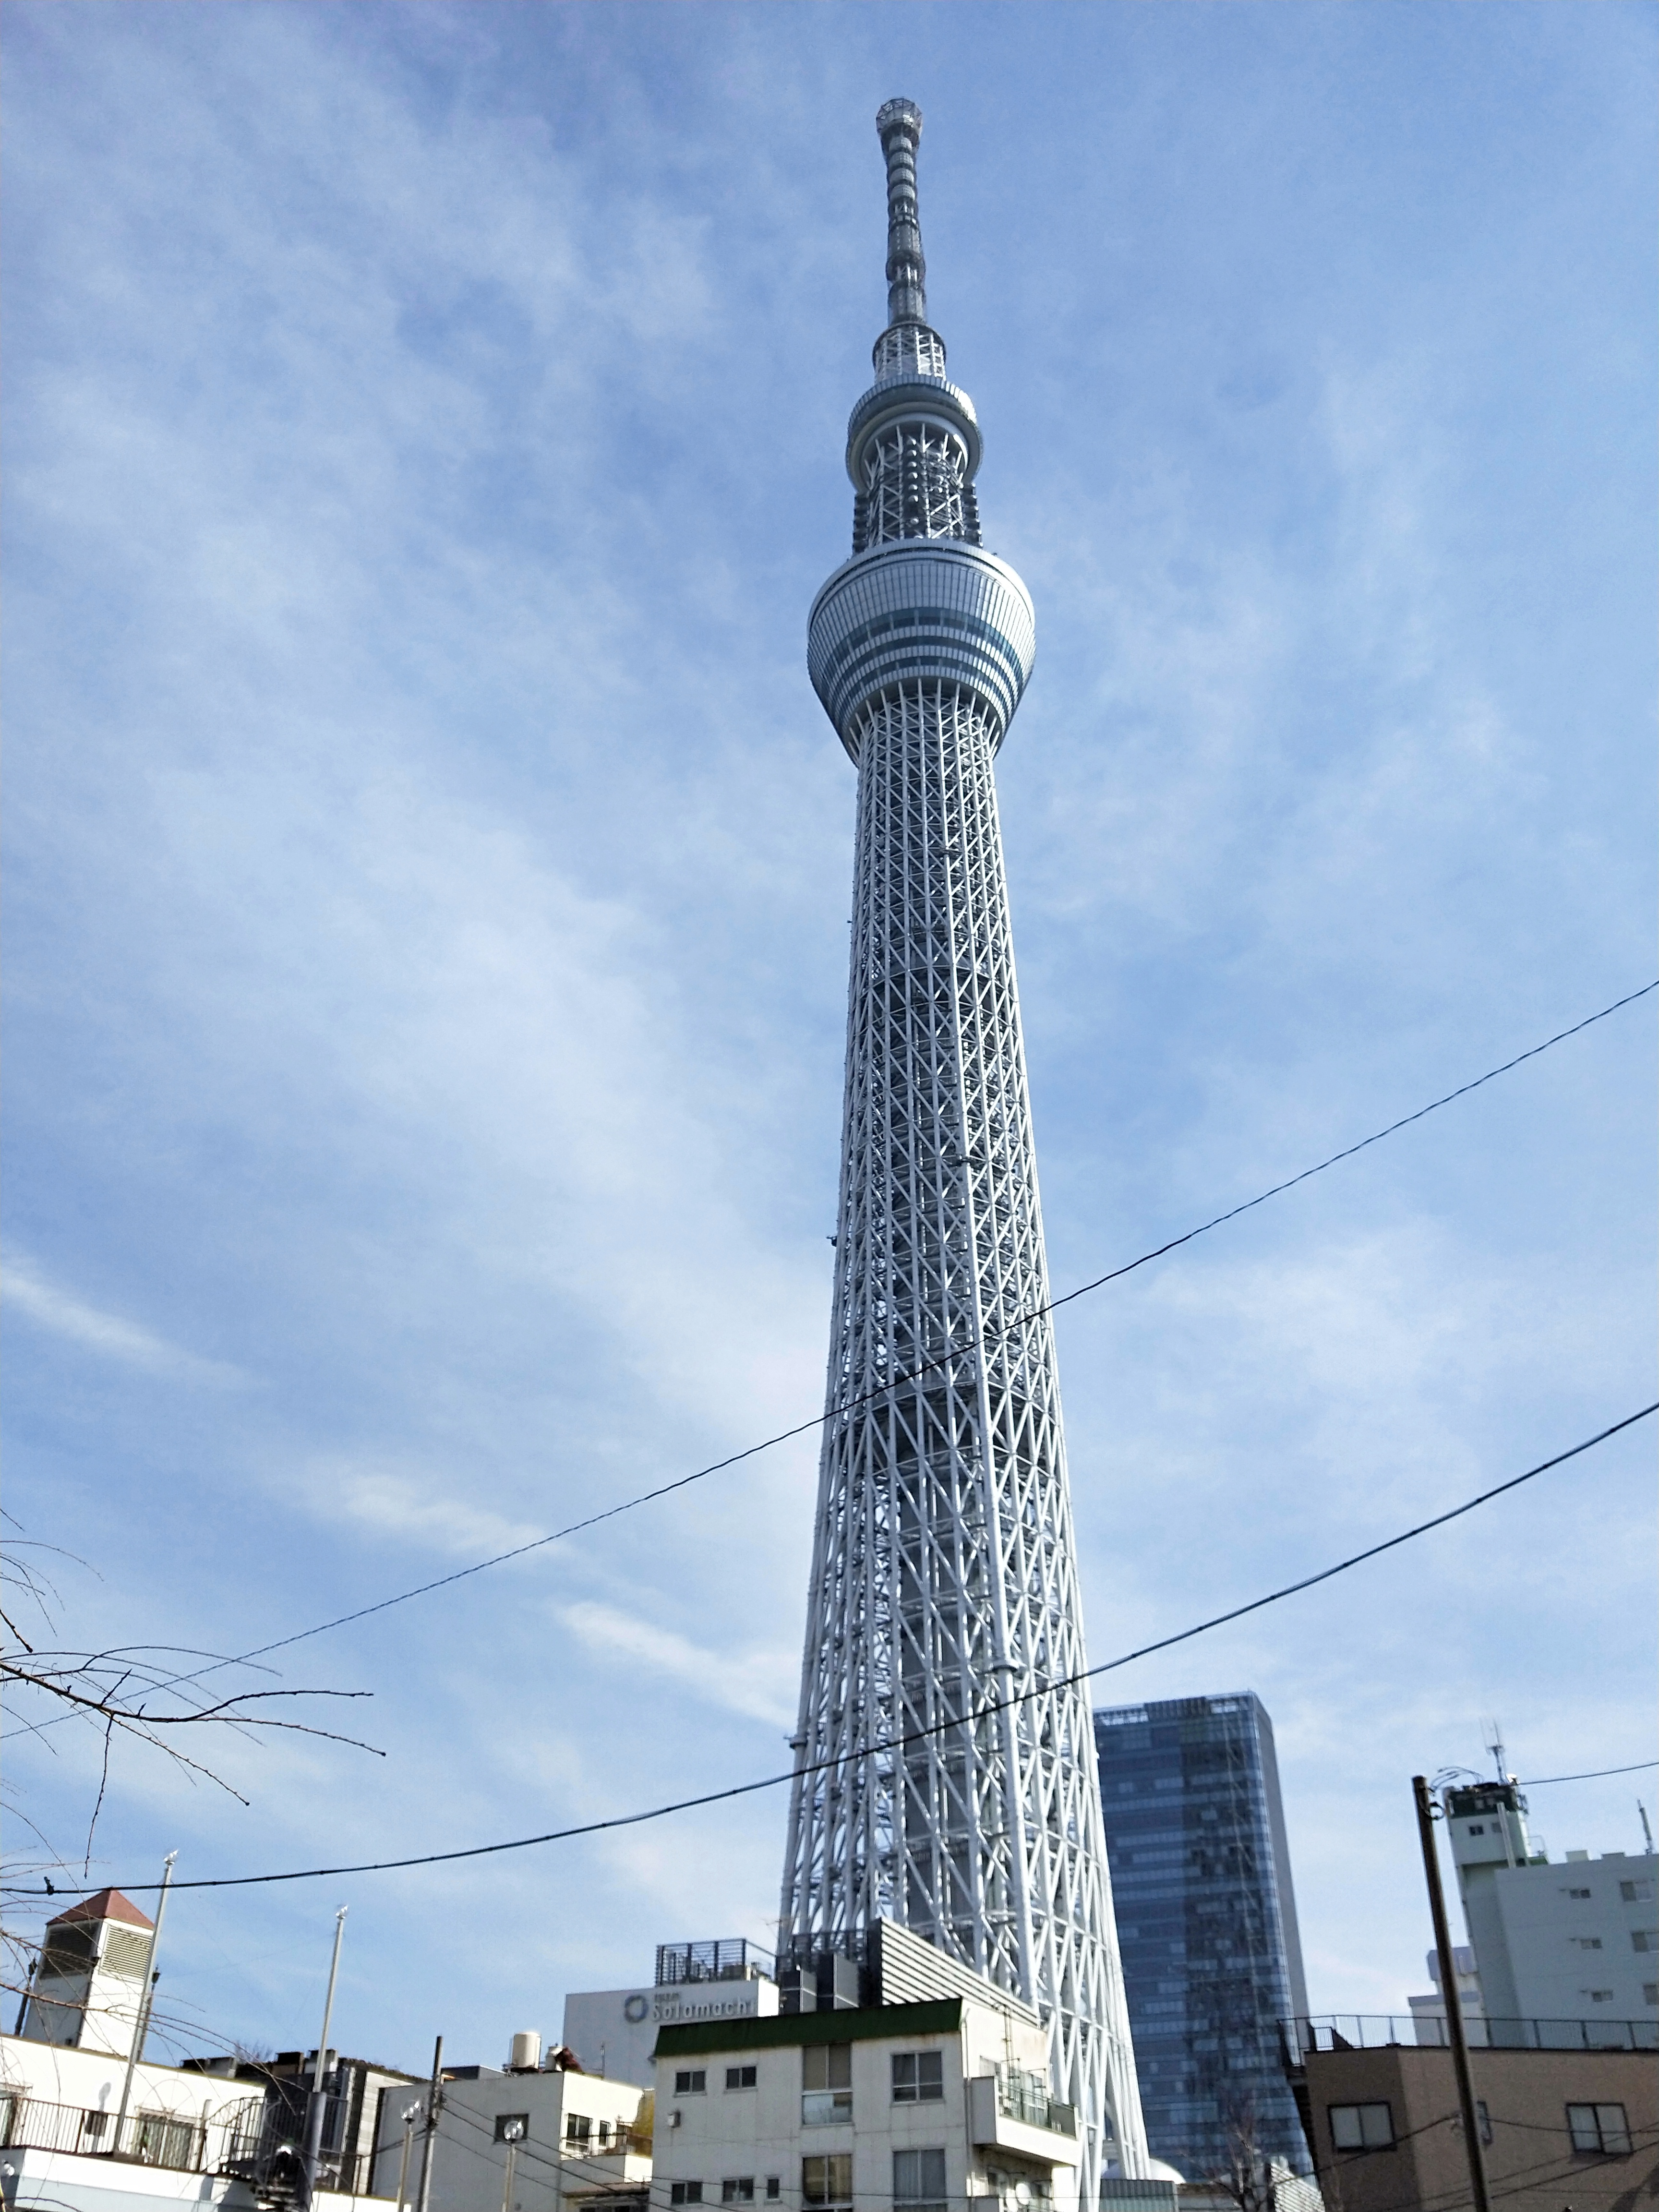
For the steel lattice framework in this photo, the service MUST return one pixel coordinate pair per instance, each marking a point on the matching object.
(944, 1577)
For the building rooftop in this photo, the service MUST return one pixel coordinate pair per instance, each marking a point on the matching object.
(108, 1905)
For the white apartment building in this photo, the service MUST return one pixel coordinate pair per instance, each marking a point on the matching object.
(907, 2107)
(1573, 1941)
(528, 2138)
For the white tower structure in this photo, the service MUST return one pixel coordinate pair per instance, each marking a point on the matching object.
(944, 1571)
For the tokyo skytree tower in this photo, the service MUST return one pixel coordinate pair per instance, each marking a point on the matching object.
(944, 1569)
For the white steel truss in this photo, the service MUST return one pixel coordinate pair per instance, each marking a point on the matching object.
(944, 1577)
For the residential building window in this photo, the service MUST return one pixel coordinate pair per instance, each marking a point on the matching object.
(918, 2180)
(1643, 1939)
(741, 2191)
(1650, 1993)
(685, 2192)
(691, 2082)
(607, 2128)
(774, 2188)
(826, 2081)
(918, 2077)
(1361, 2127)
(739, 2077)
(1601, 1996)
(163, 2140)
(1599, 2127)
(1588, 1942)
(1578, 1892)
(1636, 1893)
(827, 2180)
(578, 2129)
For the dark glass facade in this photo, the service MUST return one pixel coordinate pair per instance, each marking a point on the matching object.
(1205, 1924)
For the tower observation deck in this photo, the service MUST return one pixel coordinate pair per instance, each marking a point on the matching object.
(943, 1785)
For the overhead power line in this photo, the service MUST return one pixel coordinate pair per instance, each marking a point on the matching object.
(955, 1351)
(914, 1735)
(1544, 1780)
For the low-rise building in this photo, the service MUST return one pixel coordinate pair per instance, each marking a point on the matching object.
(1557, 2127)
(915, 2106)
(529, 2137)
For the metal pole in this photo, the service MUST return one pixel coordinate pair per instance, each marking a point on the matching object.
(315, 2117)
(506, 2187)
(1460, 2048)
(143, 2021)
(434, 2101)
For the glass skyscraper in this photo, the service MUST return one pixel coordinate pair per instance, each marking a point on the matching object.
(1201, 1875)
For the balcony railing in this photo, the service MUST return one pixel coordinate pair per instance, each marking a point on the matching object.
(150, 2138)
(1025, 2097)
(1376, 2031)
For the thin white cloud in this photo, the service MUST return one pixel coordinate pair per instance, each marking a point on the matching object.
(742, 1683)
(28, 1289)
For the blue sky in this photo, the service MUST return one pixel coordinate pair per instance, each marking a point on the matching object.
(428, 870)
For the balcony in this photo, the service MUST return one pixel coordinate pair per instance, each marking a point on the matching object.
(183, 2145)
(1014, 2112)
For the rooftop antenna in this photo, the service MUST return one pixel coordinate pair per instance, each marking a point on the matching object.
(1494, 1735)
(1646, 1830)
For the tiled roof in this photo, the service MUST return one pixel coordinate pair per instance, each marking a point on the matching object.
(108, 1905)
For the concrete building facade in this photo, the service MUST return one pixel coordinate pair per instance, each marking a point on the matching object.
(1574, 1940)
(916, 2107)
(1575, 2128)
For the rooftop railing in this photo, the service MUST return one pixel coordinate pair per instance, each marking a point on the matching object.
(729, 1959)
(1418, 2030)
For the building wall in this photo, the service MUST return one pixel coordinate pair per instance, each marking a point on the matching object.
(614, 2031)
(1577, 1947)
(1206, 1925)
(1530, 2164)
(468, 2165)
(718, 2135)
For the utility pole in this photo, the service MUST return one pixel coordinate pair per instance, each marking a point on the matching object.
(318, 2113)
(434, 2104)
(1460, 2048)
(142, 2023)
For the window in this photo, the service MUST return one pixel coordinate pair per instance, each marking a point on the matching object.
(739, 2077)
(1601, 1996)
(691, 2082)
(1599, 2127)
(1643, 1939)
(827, 2180)
(685, 2192)
(774, 2188)
(1578, 1892)
(1361, 2127)
(1650, 1993)
(1477, 1828)
(826, 2081)
(1636, 1893)
(578, 2129)
(741, 2191)
(162, 2141)
(919, 2179)
(918, 2077)
(1588, 1942)
(607, 2129)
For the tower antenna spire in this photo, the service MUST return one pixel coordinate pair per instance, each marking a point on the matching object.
(898, 125)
